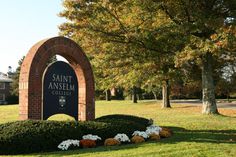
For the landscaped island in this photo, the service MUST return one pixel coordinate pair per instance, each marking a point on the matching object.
(32, 136)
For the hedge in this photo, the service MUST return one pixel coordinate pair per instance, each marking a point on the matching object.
(32, 136)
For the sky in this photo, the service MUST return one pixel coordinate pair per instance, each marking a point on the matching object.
(22, 24)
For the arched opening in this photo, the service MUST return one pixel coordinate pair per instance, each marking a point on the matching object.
(61, 58)
(55, 58)
(61, 117)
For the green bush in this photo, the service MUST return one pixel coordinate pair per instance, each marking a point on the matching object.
(35, 136)
(39, 136)
(122, 124)
(12, 99)
(121, 117)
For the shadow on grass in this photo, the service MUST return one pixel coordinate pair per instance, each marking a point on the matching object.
(208, 136)
(98, 149)
(227, 116)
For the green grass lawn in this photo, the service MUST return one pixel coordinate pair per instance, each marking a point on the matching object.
(195, 135)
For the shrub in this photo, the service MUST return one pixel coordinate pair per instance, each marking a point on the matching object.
(12, 99)
(86, 143)
(126, 124)
(154, 137)
(153, 129)
(111, 142)
(65, 145)
(165, 133)
(39, 136)
(91, 137)
(35, 136)
(137, 139)
(122, 138)
(167, 129)
(141, 133)
(121, 117)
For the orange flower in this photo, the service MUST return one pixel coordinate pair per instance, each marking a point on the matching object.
(165, 132)
(87, 143)
(154, 137)
(167, 129)
(111, 142)
(137, 139)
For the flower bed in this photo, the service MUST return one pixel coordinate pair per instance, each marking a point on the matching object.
(153, 133)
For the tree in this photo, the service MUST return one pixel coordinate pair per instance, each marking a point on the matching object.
(108, 95)
(14, 90)
(209, 26)
(9, 72)
(52, 60)
(131, 41)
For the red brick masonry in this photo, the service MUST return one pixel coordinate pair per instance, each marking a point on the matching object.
(31, 74)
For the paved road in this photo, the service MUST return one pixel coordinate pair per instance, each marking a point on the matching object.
(225, 105)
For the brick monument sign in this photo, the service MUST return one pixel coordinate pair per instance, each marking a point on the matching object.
(33, 88)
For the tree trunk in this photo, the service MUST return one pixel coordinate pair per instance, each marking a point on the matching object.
(208, 88)
(165, 94)
(108, 95)
(134, 94)
(155, 95)
(228, 95)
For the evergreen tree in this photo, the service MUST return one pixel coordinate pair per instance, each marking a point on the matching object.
(14, 90)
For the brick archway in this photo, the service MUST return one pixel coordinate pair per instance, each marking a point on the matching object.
(32, 69)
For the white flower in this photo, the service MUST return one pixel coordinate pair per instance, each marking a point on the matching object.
(140, 133)
(153, 129)
(64, 145)
(91, 137)
(122, 138)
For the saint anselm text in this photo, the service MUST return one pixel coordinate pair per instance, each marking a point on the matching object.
(61, 85)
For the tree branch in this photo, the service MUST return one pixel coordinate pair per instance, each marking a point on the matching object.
(186, 11)
(116, 18)
(169, 14)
